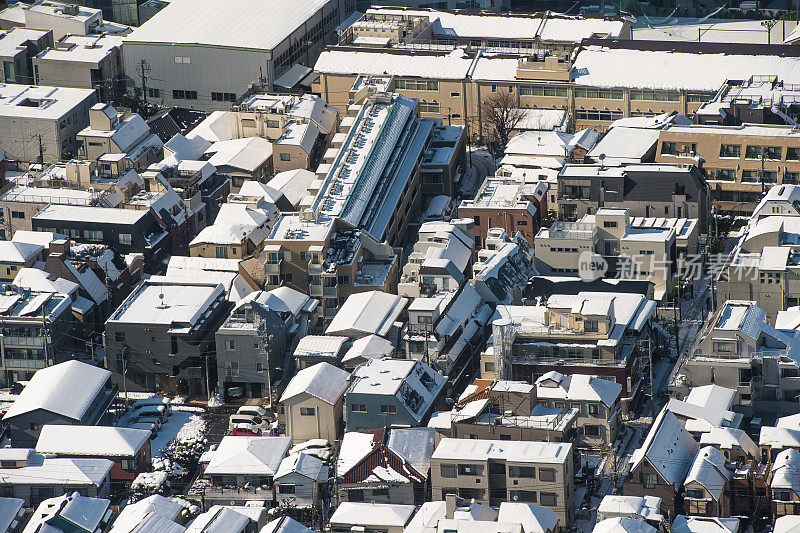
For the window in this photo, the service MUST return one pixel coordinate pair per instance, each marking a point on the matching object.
(232, 368)
(470, 470)
(173, 341)
(793, 154)
(286, 489)
(547, 474)
(125, 239)
(790, 178)
(783, 495)
(119, 336)
(730, 150)
(259, 366)
(522, 222)
(724, 347)
(698, 98)
(273, 123)
(594, 409)
(668, 148)
(591, 114)
(548, 499)
(183, 60)
(388, 409)
(152, 92)
(429, 107)
(180, 94)
(536, 90)
(522, 471)
(602, 94)
(488, 366)
(358, 407)
(455, 95)
(286, 157)
(590, 326)
(769, 152)
(9, 72)
(223, 97)
(656, 96)
(355, 495)
(222, 252)
(448, 471)
(307, 411)
(498, 468)
(93, 235)
(609, 224)
(17, 214)
(648, 480)
(416, 85)
(694, 493)
(726, 174)
(526, 496)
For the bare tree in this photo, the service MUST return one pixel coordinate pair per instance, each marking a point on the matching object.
(501, 113)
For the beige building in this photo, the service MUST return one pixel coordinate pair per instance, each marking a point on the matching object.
(118, 141)
(706, 488)
(494, 471)
(83, 61)
(313, 403)
(741, 162)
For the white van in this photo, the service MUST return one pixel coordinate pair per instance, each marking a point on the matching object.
(166, 403)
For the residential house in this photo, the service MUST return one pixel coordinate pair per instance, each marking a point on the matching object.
(705, 408)
(735, 444)
(154, 513)
(623, 525)
(313, 403)
(368, 313)
(392, 392)
(35, 478)
(460, 515)
(118, 141)
(597, 401)
(707, 486)
(697, 524)
(15, 255)
(660, 465)
(385, 465)
(301, 480)
(503, 267)
(366, 348)
(162, 336)
(494, 471)
(71, 512)
(240, 461)
(391, 518)
(315, 349)
(128, 448)
(70, 393)
(647, 508)
(633, 140)
(257, 336)
(784, 483)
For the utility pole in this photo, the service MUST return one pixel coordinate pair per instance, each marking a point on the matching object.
(264, 342)
(145, 68)
(125, 375)
(41, 151)
(652, 383)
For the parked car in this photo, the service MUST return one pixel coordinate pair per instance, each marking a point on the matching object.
(253, 421)
(149, 418)
(254, 410)
(235, 392)
(245, 430)
(166, 403)
(149, 426)
(151, 410)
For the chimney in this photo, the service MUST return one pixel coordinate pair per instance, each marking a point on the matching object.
(450, 505)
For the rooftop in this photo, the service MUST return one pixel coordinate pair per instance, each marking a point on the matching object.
(96, 441)
(177, 304)
(513, 451)
(27, 101)
(248, 456)
(239, 25)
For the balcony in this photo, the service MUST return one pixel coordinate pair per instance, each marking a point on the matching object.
(315, 290)
(314, 269)
(272, 268)
(23, 364)
(330, 292)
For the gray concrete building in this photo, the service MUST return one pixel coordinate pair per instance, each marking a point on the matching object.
(208, 53)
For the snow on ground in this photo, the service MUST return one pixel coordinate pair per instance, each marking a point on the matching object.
(216, 401)
(182, 425)
(188, 409)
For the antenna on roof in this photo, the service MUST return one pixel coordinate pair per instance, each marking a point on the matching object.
(602, 157)
(162, 305)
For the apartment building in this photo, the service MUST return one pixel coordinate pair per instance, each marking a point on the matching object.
(652, 190)
(208, 60)
(162, 336)
(17, 47)
(764, 266)
(740, 161)
(61, 18)
(38, 122)
(517, 204)
(85, 62)
(503, 268)
(740, 351)
(760, 99)
(494, 471)
(255, 338)
(585, 333)
(633, 248)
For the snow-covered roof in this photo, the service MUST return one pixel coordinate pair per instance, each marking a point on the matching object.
(655, 69)
(10, 509)
(248, 153)
(219, 519)
(176, 303)
(58, 471)
(84, 512)
(319, 346)
(96, 441)
(369, 347)
(371, 515)
(248, 455)
(517, 451)
(154, 514)
(578, 387)
(367, 313)
(293, 184)
(322, 381)
(355, 446)
(305, 464)
(285, 524)
(645, 507)
(787, 523)
(415, 445)
(711, 397)
(239, 24)
(422, 64)
(532, 518)
(708, 470)
(67, 389)
(779, 437)
(727, 438)
(18, 252)
(628, 144)
(91, 215)
(668, 447)
(703, 524)
(54, 102)
(413, 383)
(623, 525)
